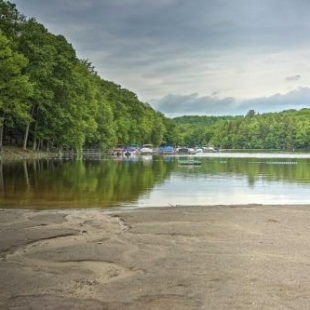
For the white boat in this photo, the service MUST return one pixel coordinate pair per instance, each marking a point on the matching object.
(207, 149)
(191, 150)
(182, 150)
(185, 151)
(146, 149)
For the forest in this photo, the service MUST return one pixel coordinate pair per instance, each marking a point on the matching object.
(49, 98)
(287, 130)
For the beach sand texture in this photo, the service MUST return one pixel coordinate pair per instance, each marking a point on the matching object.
(182, 258)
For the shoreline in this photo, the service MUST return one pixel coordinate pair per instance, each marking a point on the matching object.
(190, 257)
(12, 154)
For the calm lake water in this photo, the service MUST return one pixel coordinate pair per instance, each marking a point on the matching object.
(219, 179)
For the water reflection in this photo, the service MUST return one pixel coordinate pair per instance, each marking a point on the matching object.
(51, 183)
(153, 181)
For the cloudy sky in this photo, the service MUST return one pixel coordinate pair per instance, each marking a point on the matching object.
(198, 57)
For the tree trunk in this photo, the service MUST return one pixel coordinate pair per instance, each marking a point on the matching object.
(2, 121)
(39, 144)
(79, 153)
(1, 177)
(60, 151)
(26, 136)
(1, 137)
(34, 145)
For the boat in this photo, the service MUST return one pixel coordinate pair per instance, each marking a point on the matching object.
(118, 151)
(182, 150)
(131, 150)
(191, 151)
(146, 149)
(167, 149)
(207, 149)
(186, 151)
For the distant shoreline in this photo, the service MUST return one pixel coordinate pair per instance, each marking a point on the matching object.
(11, 153)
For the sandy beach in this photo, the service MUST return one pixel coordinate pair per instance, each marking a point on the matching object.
(218, 257)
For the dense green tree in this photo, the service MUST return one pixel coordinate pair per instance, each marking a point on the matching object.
(158, 129)
(55, 99)
(10, 20)
(71, 106)
(287, 130)
(105, 135)
(36, 43)
(15, 88)
(171, 135)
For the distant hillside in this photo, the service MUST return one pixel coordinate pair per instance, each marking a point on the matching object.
(287, 130)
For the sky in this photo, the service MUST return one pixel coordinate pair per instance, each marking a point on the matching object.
(191, 57)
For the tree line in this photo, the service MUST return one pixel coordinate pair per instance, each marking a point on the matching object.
(287, 130)
(50, 97)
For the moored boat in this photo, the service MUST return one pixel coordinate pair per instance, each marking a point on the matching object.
(182, 150)
(118, 151)
(167, 149)
(146, 149)
(131, 150)
(185, 151)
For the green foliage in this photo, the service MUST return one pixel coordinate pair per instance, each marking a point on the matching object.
(10, 20)
(76, 184)
(70, 105)
(15, 87)
(52, 98)
(199, 130)
(287, 130)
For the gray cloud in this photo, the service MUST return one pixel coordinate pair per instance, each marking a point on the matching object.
(193, 104)
(199, 23)
(296, 99)
(293, 78)
(222, 47)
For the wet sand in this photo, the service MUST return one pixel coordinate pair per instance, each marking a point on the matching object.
(219, 257)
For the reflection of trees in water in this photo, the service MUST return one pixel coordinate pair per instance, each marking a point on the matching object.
(289, 170)
(84, 184)
(107, 183)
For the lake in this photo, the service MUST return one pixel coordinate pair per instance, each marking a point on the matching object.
(147, 181)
